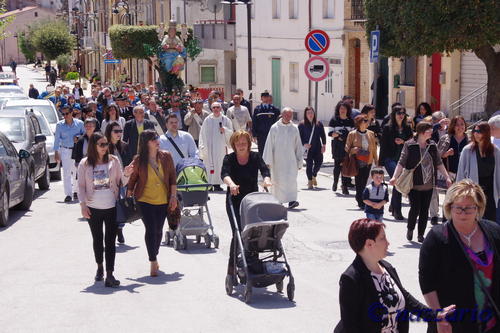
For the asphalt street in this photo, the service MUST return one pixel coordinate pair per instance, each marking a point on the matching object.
(47, 270)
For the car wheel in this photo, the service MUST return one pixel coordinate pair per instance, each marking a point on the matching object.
(29, 191)
(4, 214)
(44, 181)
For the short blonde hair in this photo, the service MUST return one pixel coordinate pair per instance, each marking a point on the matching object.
(240, 134)
(463, 189)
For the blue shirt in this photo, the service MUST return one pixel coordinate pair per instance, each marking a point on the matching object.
(65, 133)
(63, 101)
(184, 142)
(375, 194)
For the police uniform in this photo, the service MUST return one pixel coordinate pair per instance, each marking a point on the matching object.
(264, 116)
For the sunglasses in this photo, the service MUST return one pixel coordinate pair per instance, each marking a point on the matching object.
(118, 131)
(103, 144)
(155, 138)
(401, 113)
(365, 120)
(476, 131)
(66, 113)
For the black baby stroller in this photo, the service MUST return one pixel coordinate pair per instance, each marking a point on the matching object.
(192, 189)
(263, 224)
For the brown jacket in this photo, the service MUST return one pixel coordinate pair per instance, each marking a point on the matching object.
(354, 140)
(139, 176)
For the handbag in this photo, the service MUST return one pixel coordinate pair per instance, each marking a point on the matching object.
(306, 151)
(173, 217)
(127, 209)
(404, 183)
(349, 166)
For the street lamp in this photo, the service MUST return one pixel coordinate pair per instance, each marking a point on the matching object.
(17, 43)
(248, 3)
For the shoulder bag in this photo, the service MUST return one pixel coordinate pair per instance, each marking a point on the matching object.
(349, 165)
(306, 151)
(127, 209)
(484, 289)
(404, 183)
(176, 148)
(173, 217)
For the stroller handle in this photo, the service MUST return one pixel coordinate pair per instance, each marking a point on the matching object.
(194, 185)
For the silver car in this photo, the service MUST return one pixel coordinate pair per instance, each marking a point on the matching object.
(52, 116)
(49, 144)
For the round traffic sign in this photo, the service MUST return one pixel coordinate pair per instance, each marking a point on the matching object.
(316, 68)
(317, 42)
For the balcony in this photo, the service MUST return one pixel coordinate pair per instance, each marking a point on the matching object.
(357, 10)
(216, 35)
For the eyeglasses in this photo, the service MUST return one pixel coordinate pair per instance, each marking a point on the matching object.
(365, 120)
(66, 113)
(476, 131)
(467, 209)
(118, 131)
(103, 144)
(401, 113)
(155, 138)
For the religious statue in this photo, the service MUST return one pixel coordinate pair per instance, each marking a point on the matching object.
(172, 52)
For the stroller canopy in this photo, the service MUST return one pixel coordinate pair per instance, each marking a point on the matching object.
(191, 171)
(259, 207)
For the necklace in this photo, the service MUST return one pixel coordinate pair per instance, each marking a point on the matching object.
(469, 236)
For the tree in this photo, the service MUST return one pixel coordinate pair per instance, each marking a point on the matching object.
(26, 46)
(4, 22)
(424, 27)
(52, 38)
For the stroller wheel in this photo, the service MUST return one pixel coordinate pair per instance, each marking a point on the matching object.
(198, 239)
(290, 291)
(279, 287)
(229, 285)
(248, 293)
(216, 241)
(206, 239)
(184, 242)
(167, 239)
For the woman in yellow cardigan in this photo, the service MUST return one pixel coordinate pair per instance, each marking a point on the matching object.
(361, 142)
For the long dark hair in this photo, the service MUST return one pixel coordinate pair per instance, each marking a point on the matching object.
(485, 144)
(306, 120)
(92, 154)
(427, 107)
(106, 116)
(346, 105)
(108, 133)
(143, 150)
(393, 123)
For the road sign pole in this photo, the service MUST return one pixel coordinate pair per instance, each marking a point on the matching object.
(316, 97)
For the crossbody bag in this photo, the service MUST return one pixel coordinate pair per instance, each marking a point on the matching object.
(306, 151)
(404, 183)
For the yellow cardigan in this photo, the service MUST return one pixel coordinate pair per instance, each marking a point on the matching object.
(354, 140)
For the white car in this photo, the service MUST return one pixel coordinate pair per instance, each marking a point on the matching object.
(52, 116)
(54, 168)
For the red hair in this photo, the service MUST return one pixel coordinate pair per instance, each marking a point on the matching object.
(485, 144)
(361, 230)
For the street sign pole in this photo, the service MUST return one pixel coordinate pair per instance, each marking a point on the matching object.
(374, 52)
(316, 97)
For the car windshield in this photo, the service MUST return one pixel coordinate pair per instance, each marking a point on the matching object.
(47, 111)
(8, 90)
(14, 128)
(11, 97)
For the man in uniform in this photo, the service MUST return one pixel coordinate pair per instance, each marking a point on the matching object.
(264, 116)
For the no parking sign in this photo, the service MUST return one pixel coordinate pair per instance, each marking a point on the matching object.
(317, 42)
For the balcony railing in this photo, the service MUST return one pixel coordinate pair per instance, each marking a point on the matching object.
(357, 10)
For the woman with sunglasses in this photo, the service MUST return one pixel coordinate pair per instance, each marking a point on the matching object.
(459, 262)
(362, 143)
(112, 113)
(480, 161)
(394, 135)
(99, 178)
(153, 184)
(420, 154)
(373, 124)
(120, 149)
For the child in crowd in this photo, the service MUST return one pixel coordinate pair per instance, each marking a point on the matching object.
(376, 195)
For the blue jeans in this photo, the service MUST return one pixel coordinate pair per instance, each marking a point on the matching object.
(390, 166)
(376, 217)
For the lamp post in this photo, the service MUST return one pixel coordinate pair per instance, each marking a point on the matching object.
(17, 44)
(248, 4)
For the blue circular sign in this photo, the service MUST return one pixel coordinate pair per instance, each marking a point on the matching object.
(317, 42)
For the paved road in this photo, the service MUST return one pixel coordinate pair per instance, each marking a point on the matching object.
(48, 268)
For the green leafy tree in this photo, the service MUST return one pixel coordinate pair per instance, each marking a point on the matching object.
(424, 27)
(26, 46)
(4, 22)
(52, 38)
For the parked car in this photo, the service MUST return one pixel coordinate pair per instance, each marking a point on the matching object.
(23, 130)
(54, 167)
(51, 114)
(8, 78)
(17, 184)
(11, 90)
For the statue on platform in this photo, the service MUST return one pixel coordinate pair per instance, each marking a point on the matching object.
(172, 53)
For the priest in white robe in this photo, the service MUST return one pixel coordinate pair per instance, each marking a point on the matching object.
(214, 143)
(283, 153)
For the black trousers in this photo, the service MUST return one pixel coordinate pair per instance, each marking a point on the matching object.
(337, 168)
(97, 218)
(313, 164)
(153, 217)
(261, 143)
(419, 208)
(361, 180)
(236, 204)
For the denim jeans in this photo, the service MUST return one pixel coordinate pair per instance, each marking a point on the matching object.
(376, 217)
(390, 166)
